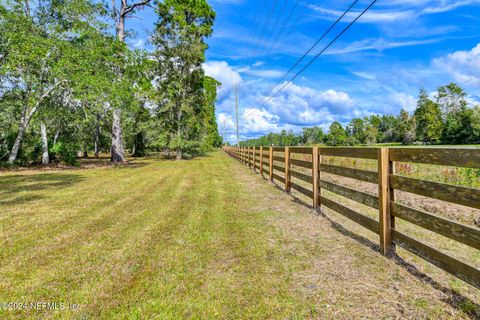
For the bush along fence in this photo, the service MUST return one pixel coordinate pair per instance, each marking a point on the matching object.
(261, 159)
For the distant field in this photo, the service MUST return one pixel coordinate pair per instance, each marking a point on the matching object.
(205, 238)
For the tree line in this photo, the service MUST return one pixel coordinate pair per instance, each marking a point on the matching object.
(444, 117)
(70, 85)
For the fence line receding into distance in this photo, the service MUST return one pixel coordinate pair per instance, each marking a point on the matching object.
(266, 160)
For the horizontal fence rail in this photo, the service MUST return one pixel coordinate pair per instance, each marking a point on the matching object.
(284, 163)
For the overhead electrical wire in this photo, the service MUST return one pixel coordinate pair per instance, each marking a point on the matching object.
(282, 29)
(264, 24)
(313, 46)
(275, 24)
(321, 52)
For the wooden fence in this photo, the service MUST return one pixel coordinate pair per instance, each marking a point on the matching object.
(261, 159)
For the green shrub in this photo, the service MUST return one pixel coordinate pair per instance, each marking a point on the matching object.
(66, 152)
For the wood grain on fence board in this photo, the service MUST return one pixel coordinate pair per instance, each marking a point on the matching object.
(302, 190)
(364, 153)
(359, 218)
(453, 266)
(363, 175)
(301, 163)
(358, 196)
(456, 157)
(451, 193)
(448, 228)
(301, 176)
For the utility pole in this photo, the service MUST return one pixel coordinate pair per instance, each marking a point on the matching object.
(237, 84)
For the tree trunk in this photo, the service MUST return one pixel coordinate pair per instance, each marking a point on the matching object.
(97, 137)
(25, 120)
(117, 152)
(55, 137)
(43, 133)
(119, 16)
(16, 146)
(179, 131)
(18, 141)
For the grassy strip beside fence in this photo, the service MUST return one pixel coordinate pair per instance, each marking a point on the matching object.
(389, 209)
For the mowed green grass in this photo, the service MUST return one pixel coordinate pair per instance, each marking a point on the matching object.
(152, 240)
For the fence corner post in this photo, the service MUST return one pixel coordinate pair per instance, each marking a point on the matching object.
(315, 177)
(287, 169)
(253, 161)
(385, 217)
(270, 164)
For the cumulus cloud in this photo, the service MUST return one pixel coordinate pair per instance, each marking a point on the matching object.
(464, 66)
(226, 122)
(259, 121)
(402, 100)
(301, 105)
(224, 73)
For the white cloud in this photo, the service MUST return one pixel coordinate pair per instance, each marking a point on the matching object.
(402, 100)
(380, 44)
(222, 72)
(300, 105)
(365, 75)
(138, 43)
(464, 66)
(445, 6)
(259, 121)
(372, 16)
(265, 73)
(225, 122)
(396, 10)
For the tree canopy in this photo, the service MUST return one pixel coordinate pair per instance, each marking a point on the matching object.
(70, 85)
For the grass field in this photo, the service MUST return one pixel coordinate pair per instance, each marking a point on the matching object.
(205, 238)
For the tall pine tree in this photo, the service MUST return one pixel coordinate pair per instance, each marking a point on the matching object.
(179, 38)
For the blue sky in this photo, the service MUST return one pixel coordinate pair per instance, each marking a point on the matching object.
(377, 67)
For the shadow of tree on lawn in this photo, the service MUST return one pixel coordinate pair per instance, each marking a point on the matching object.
(14, 187)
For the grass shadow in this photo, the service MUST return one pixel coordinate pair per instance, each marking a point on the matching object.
(11, 186)
(453, 298)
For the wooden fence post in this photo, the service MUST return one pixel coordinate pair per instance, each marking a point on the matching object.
(384, 191)
(287, 169)
(253, 153)
(261, 161)
(249, 157)
(270, 163)
(315, 176)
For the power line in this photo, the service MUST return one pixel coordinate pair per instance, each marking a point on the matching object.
(313, 46)
(258, 20)
(283, 26)
(321, 52)
(275, 24)
(262, 25)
